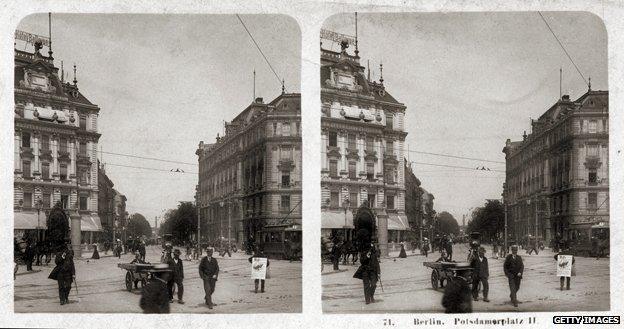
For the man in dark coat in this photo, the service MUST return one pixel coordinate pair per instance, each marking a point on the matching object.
(513, 267)
(64, 273)
(448, 246)
(155, 295)
(29, 255)
(480, 273)
(368, 272)
(336, 252)
(209, 272)
(259, 254)
(456, 297)
(177, 269)
(141, 249)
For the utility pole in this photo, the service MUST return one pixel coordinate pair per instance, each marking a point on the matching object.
(197, 203)
(506, 243)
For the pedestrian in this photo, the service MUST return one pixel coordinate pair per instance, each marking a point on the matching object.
(141, 249)
(495, 249)
(456, 297)
(177, 276)
(448, 246)
(532, 246)
(259, 254)
(155, 295)
(369, 271)
(425, 247)
(209, 272)
(29, 255)
(336, 253)
(118, 249)
(402, 254)
(96, 254)
(513, 267)
(480, 274)
(225, 249)
(64, 273)
(562, 278)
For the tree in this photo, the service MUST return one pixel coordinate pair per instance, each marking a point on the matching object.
(139, 226)
(489, 220)
(181, 222)
(447, 224)
(58, 228)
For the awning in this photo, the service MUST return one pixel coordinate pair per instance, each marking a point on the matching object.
(29, 221)
(398, 222)
(90, 223)
(336, 219)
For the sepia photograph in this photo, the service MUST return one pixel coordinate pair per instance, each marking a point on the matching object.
(464, 162)
(157, 164)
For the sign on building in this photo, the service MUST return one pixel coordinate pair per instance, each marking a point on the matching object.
(258, 268)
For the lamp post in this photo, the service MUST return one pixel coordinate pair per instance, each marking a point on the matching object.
(345, 206)
(39, 204)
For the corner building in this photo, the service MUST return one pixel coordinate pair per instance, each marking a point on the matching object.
(250, 179)
(55, 145)
(362, 149)
(557, 177)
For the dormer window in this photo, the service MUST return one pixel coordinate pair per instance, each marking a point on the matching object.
(83, 122)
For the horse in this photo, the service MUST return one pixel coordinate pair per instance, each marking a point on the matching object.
(349, 249)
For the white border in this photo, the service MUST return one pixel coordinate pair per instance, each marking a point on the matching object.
(310, 15)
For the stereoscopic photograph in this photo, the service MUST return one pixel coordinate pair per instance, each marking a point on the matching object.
(157, 164)
(464, 162)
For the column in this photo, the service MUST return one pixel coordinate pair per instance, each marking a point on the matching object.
(17, 159)
(35, 147)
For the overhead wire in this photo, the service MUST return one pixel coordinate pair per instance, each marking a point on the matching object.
(562, 47)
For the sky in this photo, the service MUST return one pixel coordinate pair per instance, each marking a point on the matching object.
(166, 82)
(470, 81)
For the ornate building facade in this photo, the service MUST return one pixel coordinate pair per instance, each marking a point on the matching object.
(250, 179)
(362, 145)
(557, 177)
(55, 147)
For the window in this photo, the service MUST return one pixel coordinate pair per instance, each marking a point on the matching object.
(28, 200)
(370, 144)
(351, 142)
(45, 170)
(592, 201)
(593, 126)
(286, 128)
(26, 167)
(390, 201)
(83, 203)
(64, 200)
(389, 147)
(370, 171)
(371, 200)
(297, 127)
(593, 177)
(389, 121)
(333, 168)
(63, 171)
(46, 200)
(352, 173)
(63, 145)
(45, 142)
(26, 140)
(333, 139)
(84, 177)
(286, 153)
(83, 122)
(353, 199)
(285, 202)
(592, 150)
(389, 177)
(83, 149)
(275, 129)
(334, 197)
(285, 178)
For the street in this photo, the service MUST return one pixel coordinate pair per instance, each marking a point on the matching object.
(101, 287)
(407, 286)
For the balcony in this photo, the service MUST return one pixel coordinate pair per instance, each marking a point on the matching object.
(83, 159)
(370, 155)
(26, 152)
(390, 158)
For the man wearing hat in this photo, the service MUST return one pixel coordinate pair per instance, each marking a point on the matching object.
(513, 267)
(155, 295)
(209, 271)
(456, 297)
(368, 271)
(177, 276)
(480, 273)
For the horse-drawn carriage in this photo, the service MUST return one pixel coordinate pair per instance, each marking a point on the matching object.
(441, 271)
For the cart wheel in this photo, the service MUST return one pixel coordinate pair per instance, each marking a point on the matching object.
(129, 281)
(435, 279)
